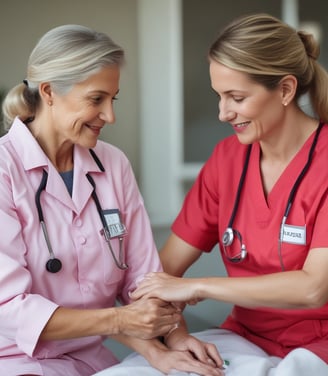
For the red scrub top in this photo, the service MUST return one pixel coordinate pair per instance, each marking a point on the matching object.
(207, 210)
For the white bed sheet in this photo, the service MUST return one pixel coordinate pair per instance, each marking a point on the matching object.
(246, 359)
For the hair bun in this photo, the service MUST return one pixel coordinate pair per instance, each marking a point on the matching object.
(311, 46)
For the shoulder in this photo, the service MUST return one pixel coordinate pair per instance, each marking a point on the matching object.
(114, 161)
(227, 152)
(320, 155)
(110, 154)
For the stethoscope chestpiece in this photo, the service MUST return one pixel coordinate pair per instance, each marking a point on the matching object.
(227, 237)
(53, 265)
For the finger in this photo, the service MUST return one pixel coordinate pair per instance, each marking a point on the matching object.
(165, 330)
(180, 306)
(200, 368)
(142, 291)
(213, 355)
(172, 319)
(163, 303)
(207, 353)
(151, 275)
(135, 294)
(200, 354)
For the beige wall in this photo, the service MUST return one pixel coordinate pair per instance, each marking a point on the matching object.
(23, 22)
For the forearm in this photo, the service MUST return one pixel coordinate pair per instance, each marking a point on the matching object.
(147, 348)
(287, 290)
(67, 323)
(146, 318)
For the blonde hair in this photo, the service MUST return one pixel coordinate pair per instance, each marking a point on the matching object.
(267, 49)
(64, 56)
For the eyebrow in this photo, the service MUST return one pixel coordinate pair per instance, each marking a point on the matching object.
(103, 92)
(233, 91)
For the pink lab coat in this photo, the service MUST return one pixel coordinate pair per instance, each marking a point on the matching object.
(89, 278)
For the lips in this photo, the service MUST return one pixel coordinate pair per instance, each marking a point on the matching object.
(240, 126)
(94, 128)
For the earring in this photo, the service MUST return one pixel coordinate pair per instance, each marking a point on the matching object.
(50, 103)
(285, 104)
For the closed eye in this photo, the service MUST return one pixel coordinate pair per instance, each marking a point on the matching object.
(238, 99)
(96, 99)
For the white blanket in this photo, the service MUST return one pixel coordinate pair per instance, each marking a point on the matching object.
(244, 357)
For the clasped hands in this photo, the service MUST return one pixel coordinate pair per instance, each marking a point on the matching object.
(179, 291)
(186, 353)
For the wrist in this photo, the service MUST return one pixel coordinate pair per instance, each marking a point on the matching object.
(175, 335)
(200, 289)
(153, 350)
(113, 321)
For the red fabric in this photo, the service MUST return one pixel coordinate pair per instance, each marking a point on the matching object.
(206, 213)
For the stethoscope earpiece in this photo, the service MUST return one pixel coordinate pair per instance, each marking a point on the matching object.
(53, 265)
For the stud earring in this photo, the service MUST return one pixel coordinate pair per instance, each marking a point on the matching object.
(285, 104)
(50, 103)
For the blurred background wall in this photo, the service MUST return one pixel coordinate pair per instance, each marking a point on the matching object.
(166, 113)
(22, 23)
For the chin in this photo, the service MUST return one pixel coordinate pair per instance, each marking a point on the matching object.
(89, 144)
(245, 140)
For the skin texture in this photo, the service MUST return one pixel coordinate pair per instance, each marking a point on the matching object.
(77, 118)
(272, 118)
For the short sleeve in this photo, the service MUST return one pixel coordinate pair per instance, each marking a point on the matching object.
(197, 222)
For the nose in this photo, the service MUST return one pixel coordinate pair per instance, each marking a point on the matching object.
(226, 114)
(107, 113)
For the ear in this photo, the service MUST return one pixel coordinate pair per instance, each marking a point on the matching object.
(45, 92)
(288, 86)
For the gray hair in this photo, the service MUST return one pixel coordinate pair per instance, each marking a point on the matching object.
(64, 56)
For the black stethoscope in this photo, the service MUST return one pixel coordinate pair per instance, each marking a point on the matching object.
(230, 233)
(53, 265)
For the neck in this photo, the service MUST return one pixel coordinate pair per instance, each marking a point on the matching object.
(279, 152)
(289, 138)
(59, 152)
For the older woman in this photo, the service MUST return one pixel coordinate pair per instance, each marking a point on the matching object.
(75, 233)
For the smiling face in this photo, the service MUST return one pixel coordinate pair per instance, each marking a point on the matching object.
(78, 116)
(85, 110)
(254, 112)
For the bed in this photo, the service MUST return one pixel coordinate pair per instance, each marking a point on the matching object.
(244, 358)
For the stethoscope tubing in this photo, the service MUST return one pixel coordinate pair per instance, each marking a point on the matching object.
(290, 200)
(40, 212)
(122, 266)
(54, 265)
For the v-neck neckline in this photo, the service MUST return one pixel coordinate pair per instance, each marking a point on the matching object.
(285, 181)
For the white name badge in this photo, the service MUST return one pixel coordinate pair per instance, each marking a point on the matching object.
(294, 234)
(114, 222)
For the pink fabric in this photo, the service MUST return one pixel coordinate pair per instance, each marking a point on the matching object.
(89, 279)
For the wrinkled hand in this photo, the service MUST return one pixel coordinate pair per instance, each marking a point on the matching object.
(205, 352)
(166, 287)
(148, 318)
(169, 360)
